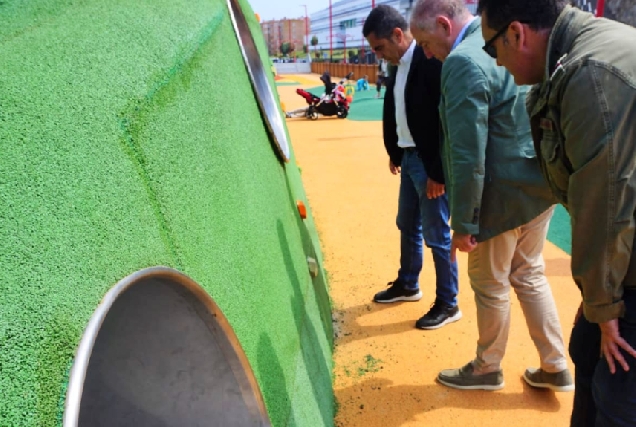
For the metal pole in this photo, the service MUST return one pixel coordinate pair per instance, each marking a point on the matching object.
(306, 28)
(361, 54)
(280, 36)
(345, 47)
(330, 32)
(372, 7)
(289, 24)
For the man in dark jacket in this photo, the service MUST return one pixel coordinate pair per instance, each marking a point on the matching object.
(412, 140)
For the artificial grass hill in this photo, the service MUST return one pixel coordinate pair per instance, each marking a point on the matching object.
(131, 138)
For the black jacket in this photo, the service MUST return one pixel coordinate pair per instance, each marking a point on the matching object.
(422, 97)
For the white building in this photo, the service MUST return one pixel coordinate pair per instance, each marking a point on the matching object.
(347, 18)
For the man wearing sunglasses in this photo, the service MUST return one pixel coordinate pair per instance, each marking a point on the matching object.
(500, 206)
(583, 116)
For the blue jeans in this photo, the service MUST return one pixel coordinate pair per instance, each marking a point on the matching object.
(603, 399)
(419, 217)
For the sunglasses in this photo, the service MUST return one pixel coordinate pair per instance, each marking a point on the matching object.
(490, 48)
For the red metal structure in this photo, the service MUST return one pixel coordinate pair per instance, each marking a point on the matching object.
(343, 38)
(600, 8)
(291, 42)
(306, 28)
(330, 31)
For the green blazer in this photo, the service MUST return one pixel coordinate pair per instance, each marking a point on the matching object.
(493, 178)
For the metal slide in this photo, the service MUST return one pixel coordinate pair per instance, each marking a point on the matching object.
(158, 352)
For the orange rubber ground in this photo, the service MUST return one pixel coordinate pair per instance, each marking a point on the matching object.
(384, 368)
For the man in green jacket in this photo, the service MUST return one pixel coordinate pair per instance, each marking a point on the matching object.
(500, 205)
(583, 115)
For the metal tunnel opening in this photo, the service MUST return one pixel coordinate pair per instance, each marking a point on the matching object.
(260, 82)
(158, 352)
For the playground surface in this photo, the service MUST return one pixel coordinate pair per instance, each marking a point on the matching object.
(385, 369)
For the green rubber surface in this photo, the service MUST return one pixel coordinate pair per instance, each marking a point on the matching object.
(560, 232)
(131, 138)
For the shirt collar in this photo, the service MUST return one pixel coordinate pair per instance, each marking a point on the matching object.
(460, 36)
(408, 55)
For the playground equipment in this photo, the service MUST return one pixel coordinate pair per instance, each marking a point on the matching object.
(159, 351)
(122, 153)
(264, 95)
(335, 101)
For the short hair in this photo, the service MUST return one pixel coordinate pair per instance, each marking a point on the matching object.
(382, 21)
(539, 14)
(425, 10)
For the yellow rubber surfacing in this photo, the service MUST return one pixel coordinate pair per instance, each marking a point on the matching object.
(385, 369)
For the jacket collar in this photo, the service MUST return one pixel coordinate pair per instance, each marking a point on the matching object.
(474, 26)
(415, 60)
(566, 29)
(407, 58)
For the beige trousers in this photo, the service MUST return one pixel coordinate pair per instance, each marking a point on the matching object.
(515, 258)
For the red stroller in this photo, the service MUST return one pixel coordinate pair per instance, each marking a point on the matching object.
(333, 102)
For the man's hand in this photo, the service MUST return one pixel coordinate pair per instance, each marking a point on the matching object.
(394, 169)
(611, 341)
(434, 189)
(463, 242)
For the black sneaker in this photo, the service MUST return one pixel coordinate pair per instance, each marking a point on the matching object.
(397, 292)
(439, 315)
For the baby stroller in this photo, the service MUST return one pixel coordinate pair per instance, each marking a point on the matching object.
(333, 102)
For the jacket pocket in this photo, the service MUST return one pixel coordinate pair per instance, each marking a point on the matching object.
(553, 155)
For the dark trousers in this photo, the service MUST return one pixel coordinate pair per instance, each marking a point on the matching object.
(603, 399)
(379, 83)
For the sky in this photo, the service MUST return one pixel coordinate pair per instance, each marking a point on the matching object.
(277, 9)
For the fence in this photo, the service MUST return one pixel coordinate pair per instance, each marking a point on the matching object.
(341, 70)
(292, 68)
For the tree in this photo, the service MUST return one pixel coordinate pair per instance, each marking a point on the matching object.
(286, 48)
(314, 42)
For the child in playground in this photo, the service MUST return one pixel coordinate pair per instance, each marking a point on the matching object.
(363, 83)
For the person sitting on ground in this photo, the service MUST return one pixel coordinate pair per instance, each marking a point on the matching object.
(326, 79)
(363, 83)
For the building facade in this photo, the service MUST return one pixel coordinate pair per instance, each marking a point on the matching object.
(277, 32)
(347, 20)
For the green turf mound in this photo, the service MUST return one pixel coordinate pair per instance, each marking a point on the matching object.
(131, 138)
